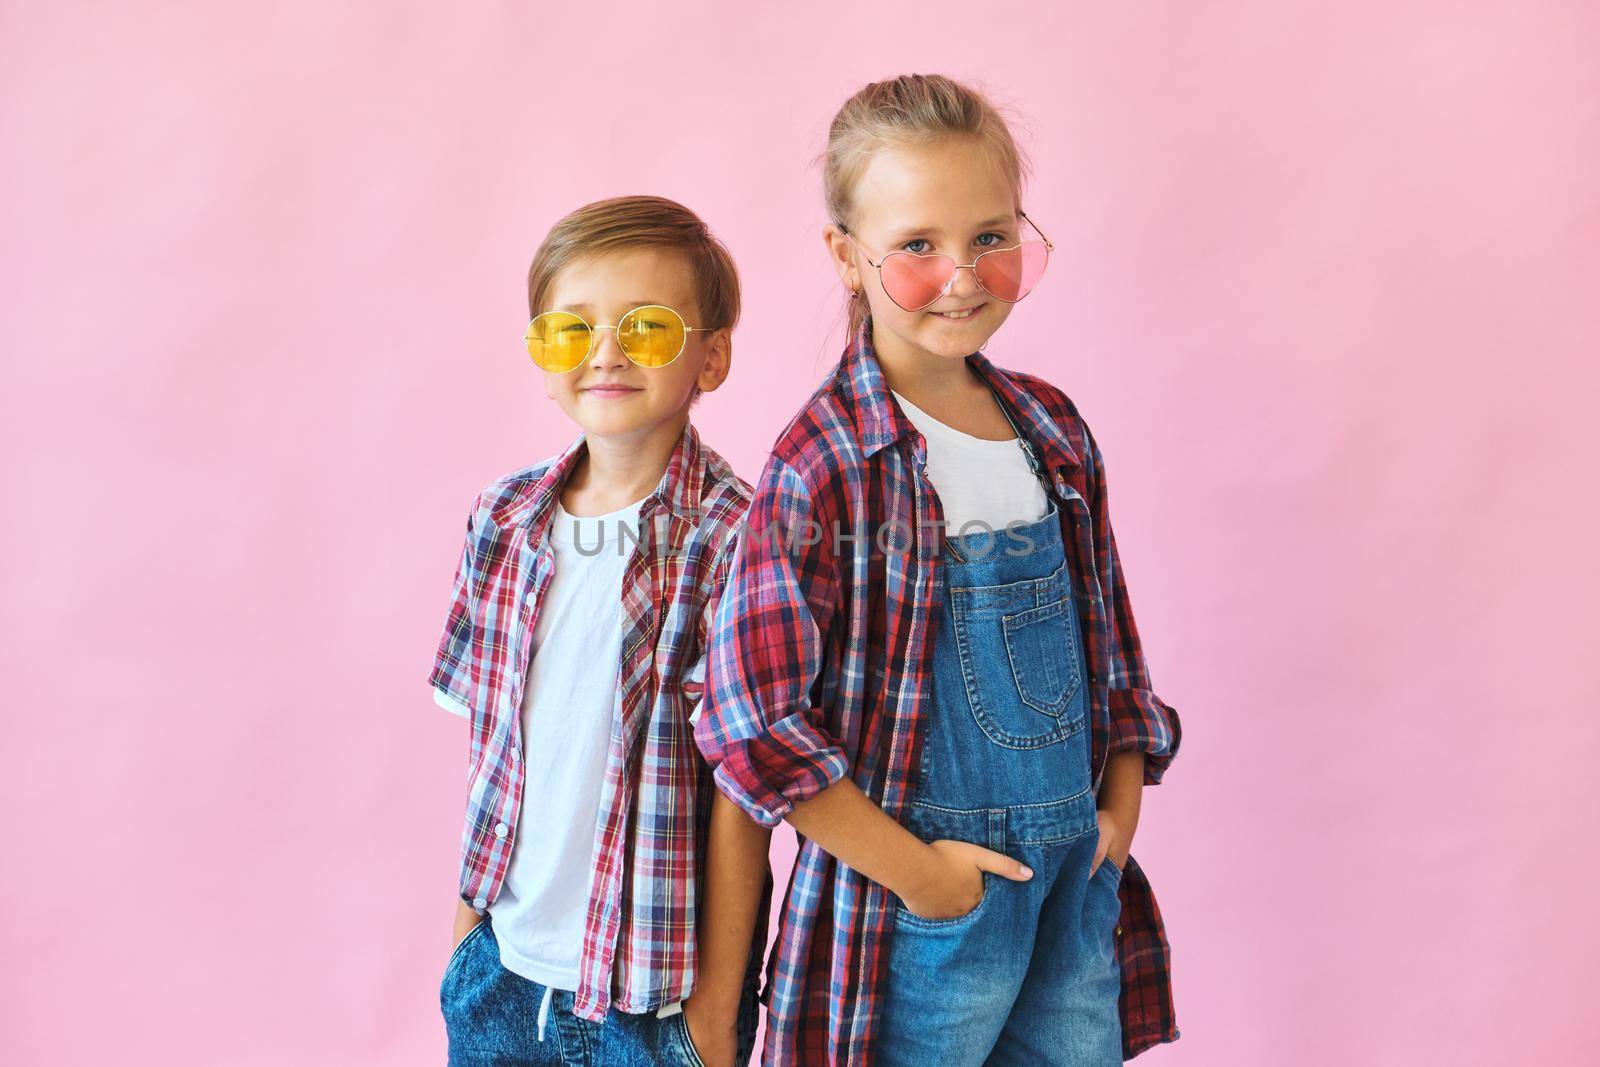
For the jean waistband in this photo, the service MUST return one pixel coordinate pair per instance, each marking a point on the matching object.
(1024, 824)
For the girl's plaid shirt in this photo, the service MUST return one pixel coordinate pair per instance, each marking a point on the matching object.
(820, 663)
(639, 934)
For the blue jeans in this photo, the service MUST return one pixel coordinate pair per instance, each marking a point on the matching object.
(492, 1019)
(1029, 975)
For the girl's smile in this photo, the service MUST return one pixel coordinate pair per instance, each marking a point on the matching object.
(961, 314)
(947, 196)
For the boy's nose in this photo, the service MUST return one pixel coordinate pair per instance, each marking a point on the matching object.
(607, 353)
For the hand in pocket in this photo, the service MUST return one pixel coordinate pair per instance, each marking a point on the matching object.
(1112, 846)
(955, 885)
(466, 921)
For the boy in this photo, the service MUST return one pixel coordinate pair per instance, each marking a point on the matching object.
(595, 846)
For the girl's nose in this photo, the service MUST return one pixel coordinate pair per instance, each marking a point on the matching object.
(965, 282)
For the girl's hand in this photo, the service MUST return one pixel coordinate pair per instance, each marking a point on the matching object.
(711, 1033)
(1113, 842)
(954, 885)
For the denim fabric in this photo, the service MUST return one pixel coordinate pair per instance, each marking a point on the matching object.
(492, 1019)
(1029, 975)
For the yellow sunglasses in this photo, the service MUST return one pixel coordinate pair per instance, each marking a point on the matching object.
(651, 335)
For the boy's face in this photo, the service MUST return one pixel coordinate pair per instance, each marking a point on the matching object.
(948, 196)
(608, 395)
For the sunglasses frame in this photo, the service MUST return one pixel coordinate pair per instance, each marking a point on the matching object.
(1048, 248)
(527, 335)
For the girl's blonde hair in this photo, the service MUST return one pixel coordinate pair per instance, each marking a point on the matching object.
(909, 109)
(628, 223)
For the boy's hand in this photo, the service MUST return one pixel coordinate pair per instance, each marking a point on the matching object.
(711, 1032)
(465, 920)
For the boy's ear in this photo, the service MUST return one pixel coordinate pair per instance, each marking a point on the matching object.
(719, 360)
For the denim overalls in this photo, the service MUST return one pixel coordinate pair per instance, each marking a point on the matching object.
(1028, 976)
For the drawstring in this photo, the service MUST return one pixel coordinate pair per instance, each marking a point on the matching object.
(544, 1010)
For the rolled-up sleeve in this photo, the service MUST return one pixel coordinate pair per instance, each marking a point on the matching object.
(1140, 720)
(757, 725)
(453, 673)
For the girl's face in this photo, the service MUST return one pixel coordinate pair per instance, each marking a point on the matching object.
(946, 196)
(609, 395)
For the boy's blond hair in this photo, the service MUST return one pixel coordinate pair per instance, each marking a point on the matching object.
(628, 223)
(909, 109)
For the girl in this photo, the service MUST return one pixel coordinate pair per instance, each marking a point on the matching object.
(925, 659)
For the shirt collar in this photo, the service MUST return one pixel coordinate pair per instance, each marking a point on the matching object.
(883, 423)
(678, 492)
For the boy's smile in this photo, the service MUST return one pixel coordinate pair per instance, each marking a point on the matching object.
(611, 390)
(608, 395)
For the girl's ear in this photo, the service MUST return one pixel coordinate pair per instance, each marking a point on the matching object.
(841, 252)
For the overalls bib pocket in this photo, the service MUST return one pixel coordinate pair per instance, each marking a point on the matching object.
(1018, 656)
(1038, 644)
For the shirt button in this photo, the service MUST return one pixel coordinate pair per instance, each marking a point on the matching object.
(481, 902)
(1119, 931)
(516, 754)
(500, 829)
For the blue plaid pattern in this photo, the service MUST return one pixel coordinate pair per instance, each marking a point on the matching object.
(820, 666)
(639, 933)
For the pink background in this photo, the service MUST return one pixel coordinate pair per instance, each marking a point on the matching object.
(1325, 289)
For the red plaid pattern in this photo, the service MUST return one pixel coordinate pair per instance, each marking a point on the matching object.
(639, 934)
(820, 666)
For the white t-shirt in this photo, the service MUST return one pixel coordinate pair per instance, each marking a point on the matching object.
(978, 480)
(568, 708)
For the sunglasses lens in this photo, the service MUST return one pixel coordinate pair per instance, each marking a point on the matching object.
(912, 281)
(558, 341)
(651, 336)
(1009, 274)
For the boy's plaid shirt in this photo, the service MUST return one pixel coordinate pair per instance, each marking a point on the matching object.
(820, 666)
(639, 933)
